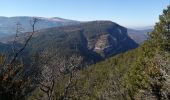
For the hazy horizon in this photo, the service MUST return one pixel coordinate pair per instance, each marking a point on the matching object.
(130, 13)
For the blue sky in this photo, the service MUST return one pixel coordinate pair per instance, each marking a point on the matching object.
(130, 13)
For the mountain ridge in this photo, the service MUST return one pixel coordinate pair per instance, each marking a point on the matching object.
(101, 37)
(95, 39)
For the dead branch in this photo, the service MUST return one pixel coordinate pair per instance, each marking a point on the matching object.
(35, 20)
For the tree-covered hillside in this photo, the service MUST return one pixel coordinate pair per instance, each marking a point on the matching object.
(92, 40)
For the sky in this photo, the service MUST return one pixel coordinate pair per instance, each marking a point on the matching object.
(129, 13)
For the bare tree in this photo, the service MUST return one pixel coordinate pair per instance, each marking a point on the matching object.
(18, 31)
(32, 23)
(47, 76)
(53, 68)
(47, 82)
(71, 67)
(13, 84)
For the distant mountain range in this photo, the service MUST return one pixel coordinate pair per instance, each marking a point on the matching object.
(139, 36)
(8, 24)
(144, 27)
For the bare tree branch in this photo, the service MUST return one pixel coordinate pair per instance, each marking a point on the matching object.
(35, 20)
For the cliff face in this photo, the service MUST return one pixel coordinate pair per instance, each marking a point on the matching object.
(109, 39)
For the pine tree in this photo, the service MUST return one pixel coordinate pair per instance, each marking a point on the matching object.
(161, 33)
(151, 71)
